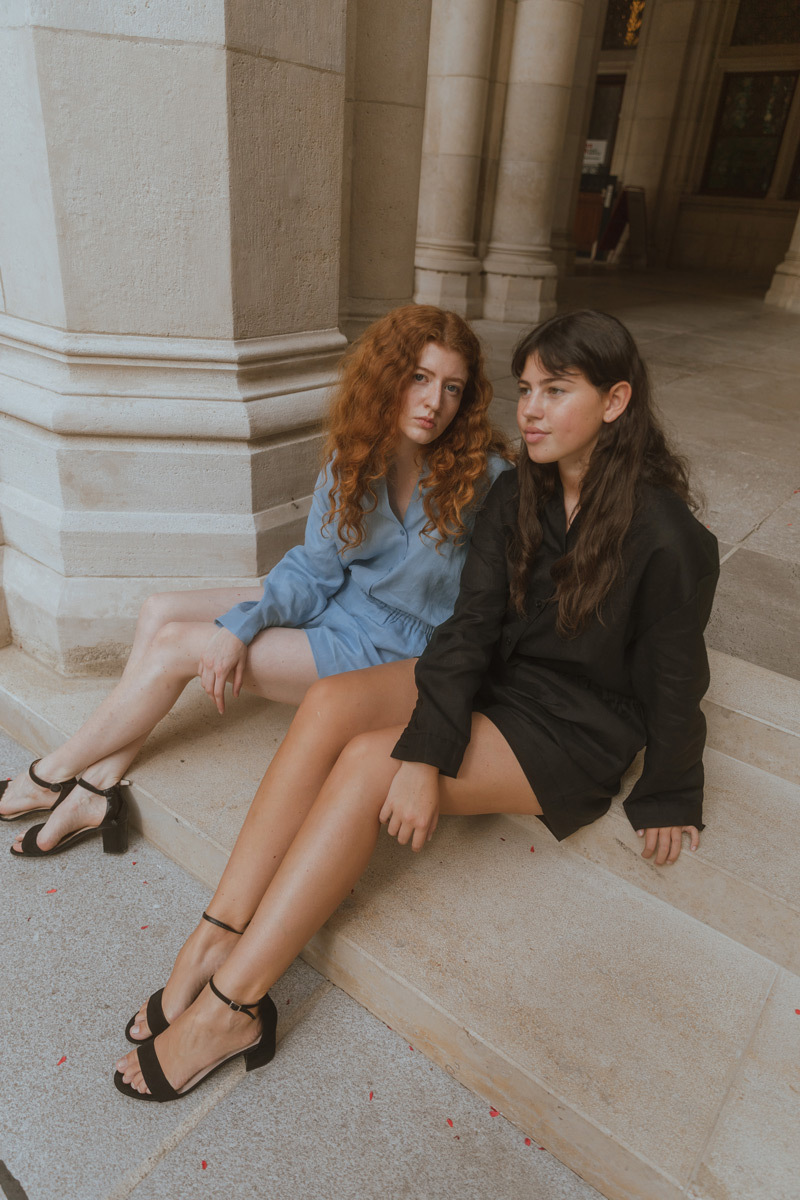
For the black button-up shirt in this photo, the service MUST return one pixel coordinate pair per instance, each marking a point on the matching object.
(635, 676)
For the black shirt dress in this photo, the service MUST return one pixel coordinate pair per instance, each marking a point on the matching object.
(575, 711)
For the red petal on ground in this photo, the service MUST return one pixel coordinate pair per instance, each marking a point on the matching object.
(50, 891)
(449, 1122)
(203, 1163)
(493, 1112)
(145, 926)
(533, 849)
(370, 1095)
(797, 1010)
(527, 1141)
(133, 864)
(411, 1047)
(63, 1059)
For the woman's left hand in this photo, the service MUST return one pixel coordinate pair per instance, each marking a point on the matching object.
(666, 842)
(412, 805)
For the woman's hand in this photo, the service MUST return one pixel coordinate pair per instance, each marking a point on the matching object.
(666, 842)
(223, 656)
(412, 805)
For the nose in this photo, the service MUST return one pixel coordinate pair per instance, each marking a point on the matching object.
(531, 406)
(433, 397)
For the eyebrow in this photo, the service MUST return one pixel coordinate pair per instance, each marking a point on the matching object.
(448, 378)
(567, 374)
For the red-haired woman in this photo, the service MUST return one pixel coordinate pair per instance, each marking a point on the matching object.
(409, 455)
(577, 637)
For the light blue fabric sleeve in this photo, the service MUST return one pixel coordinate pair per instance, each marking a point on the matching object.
(298, 587)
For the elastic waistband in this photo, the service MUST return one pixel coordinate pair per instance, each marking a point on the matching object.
(353, 602)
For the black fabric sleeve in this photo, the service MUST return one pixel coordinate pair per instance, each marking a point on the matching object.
(457, 658)
(669, 671)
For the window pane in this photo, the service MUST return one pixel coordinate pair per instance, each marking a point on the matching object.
(766, 23)
(623, 22)
(752, 114)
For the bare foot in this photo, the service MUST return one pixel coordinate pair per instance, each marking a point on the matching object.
(203, 953)
(80, 810)
(23, 795)
(199, 1039)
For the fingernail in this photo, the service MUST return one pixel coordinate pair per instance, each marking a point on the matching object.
(640, 833)
(135, 1029)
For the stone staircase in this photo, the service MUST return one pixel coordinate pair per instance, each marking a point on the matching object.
(641, 1023)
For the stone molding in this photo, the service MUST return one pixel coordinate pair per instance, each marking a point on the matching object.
(110, 385)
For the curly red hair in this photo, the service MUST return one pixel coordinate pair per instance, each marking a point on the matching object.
(364, 414)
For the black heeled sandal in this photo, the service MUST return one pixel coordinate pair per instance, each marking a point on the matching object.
(113, 828)
(63, 790)
(257, 1055)
(156, 1021)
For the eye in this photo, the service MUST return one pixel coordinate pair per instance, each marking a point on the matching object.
(419, 377)
(455, 388)
(555, 391)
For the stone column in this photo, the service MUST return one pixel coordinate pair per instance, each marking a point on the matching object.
(520, 271)
(784, 291)
(170, 190)
(447, 269)
(386, 93)
(655, 86)
(580, 111)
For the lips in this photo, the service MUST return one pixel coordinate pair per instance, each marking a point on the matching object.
(425, 422)
(533, 435)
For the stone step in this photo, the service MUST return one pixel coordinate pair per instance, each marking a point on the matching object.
(754, 715)
(653, 1055)
(649, 1051)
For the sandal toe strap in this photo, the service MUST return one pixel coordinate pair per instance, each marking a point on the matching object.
(29, 847)
(160, 1087)
(156, 1021)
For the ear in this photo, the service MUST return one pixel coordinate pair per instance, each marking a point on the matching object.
(616, 401)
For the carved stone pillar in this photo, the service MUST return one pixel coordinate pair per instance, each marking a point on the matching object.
(169, 233)
(784, 291)
(387, 60)
(520, 272)
(447, 269)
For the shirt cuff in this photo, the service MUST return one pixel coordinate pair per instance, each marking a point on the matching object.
(435, 751)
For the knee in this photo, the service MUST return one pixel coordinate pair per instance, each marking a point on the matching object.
(360, 754)
(156, 611)
(167, 644)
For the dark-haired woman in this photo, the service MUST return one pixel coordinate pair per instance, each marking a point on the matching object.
(410, 452)
(576, 639)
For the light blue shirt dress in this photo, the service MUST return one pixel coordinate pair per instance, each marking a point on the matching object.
(360, 607)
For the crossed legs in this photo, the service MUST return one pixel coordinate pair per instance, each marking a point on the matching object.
(306, 875)
(172, 632)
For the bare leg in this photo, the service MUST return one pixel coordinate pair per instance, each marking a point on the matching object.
(333, 712)
(280, 666)
(322, 864)
(156, 612)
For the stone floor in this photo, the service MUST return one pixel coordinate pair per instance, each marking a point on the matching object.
(725, 368)
(347, 1109)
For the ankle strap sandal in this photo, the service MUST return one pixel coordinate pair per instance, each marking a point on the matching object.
(257, 1055)
(113, 828)
(62, 790)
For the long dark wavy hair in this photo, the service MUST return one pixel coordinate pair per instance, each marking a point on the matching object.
(630, 451)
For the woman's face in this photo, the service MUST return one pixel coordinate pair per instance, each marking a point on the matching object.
(560, 416)
(433, 396)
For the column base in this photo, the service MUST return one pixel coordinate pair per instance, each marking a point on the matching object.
(525, 299)
(132, 465)
(784, 290)
(458, 291)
